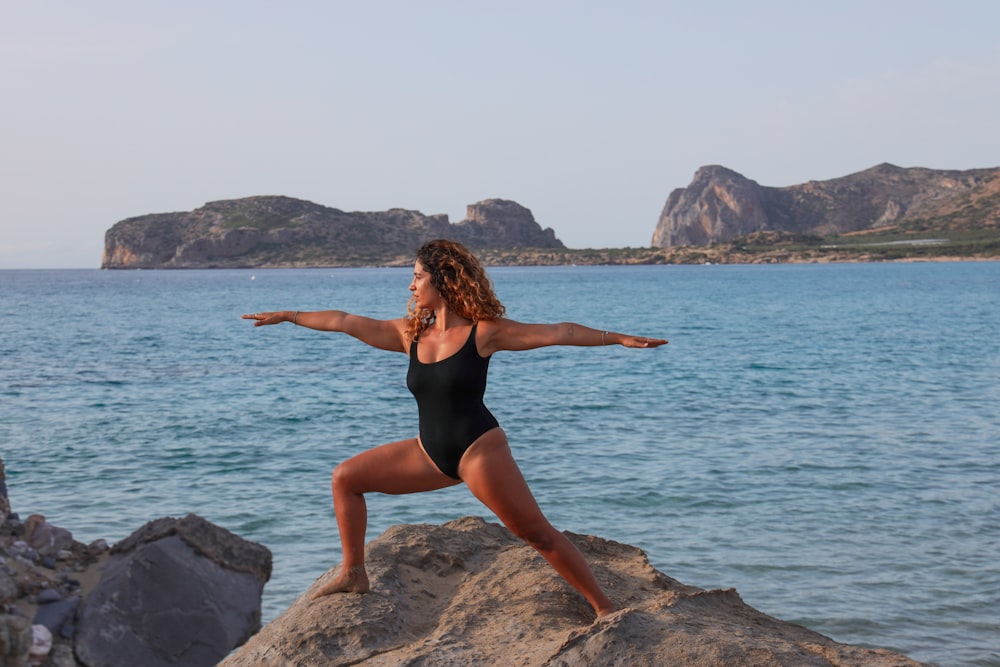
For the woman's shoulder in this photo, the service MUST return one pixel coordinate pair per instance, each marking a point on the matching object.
(491, 335)
(489, 327)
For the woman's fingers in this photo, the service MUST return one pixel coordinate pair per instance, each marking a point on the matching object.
(261, 319)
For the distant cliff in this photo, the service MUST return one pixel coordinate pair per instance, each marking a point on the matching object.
(720, 205)
(286, 232)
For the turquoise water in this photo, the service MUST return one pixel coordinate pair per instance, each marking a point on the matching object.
(823, 438)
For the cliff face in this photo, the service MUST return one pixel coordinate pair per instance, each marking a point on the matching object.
(720, 204)
(281, 231)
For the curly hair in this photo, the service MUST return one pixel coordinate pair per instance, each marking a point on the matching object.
(462, 282)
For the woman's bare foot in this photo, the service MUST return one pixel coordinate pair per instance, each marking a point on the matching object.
(354, 580)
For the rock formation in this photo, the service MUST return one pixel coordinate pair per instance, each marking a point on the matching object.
(499, 223)
(175, 592)
(281, 231)
(720, 204)
(470, 593)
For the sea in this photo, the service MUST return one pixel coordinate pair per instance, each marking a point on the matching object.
(824, 438)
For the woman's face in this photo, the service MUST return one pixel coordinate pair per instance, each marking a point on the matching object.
(426, 295)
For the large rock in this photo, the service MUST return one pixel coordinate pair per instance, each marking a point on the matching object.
(282, 231)
(720, 204)
(175, 592)
(470, 593)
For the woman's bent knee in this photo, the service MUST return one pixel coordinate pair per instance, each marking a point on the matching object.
(342, 478)
(540, 537)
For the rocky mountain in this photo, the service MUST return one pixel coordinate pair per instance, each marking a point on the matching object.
(721, 204)
(274, 231)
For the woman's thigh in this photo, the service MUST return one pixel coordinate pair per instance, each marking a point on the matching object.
(492, 475)
(397, 467)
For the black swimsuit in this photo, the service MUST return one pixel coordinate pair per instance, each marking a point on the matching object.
(449, 397)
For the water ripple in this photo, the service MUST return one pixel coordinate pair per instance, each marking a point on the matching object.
(822, 438)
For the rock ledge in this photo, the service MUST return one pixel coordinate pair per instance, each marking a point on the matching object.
(469, 592)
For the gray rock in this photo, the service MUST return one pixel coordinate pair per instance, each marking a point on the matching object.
(175, 592)
(20, 549)
(99, 545)
(15, 640)
(54, 615)
(48, 595)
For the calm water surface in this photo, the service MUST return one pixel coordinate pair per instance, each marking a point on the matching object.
(823, 438)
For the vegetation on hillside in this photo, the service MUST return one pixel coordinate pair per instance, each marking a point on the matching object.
(886, 244)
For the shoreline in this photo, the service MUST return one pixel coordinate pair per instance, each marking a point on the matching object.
(729, 253)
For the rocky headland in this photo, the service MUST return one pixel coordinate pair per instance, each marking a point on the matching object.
(722, 217)
(721, 205)
(286, 232)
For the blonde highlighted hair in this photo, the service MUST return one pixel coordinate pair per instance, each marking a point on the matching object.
(462, 282)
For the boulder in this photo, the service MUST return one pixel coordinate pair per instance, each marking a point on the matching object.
(470, 593)
(175, 592)
(57, 615)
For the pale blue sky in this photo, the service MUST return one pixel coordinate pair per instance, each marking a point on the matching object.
(588, 113)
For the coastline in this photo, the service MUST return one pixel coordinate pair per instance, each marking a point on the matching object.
(686, 255)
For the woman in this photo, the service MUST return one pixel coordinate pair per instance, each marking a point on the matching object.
(454, 324)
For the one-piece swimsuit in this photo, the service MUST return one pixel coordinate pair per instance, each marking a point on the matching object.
(450, 404)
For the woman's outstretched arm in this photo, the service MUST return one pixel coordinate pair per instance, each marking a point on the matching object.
(383, 334)
(504, 334)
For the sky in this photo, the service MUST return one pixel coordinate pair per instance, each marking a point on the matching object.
(587, 113)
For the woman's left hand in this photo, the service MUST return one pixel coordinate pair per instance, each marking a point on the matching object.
(642, 341)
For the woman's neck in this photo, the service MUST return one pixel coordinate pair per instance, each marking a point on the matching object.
(444, 320)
